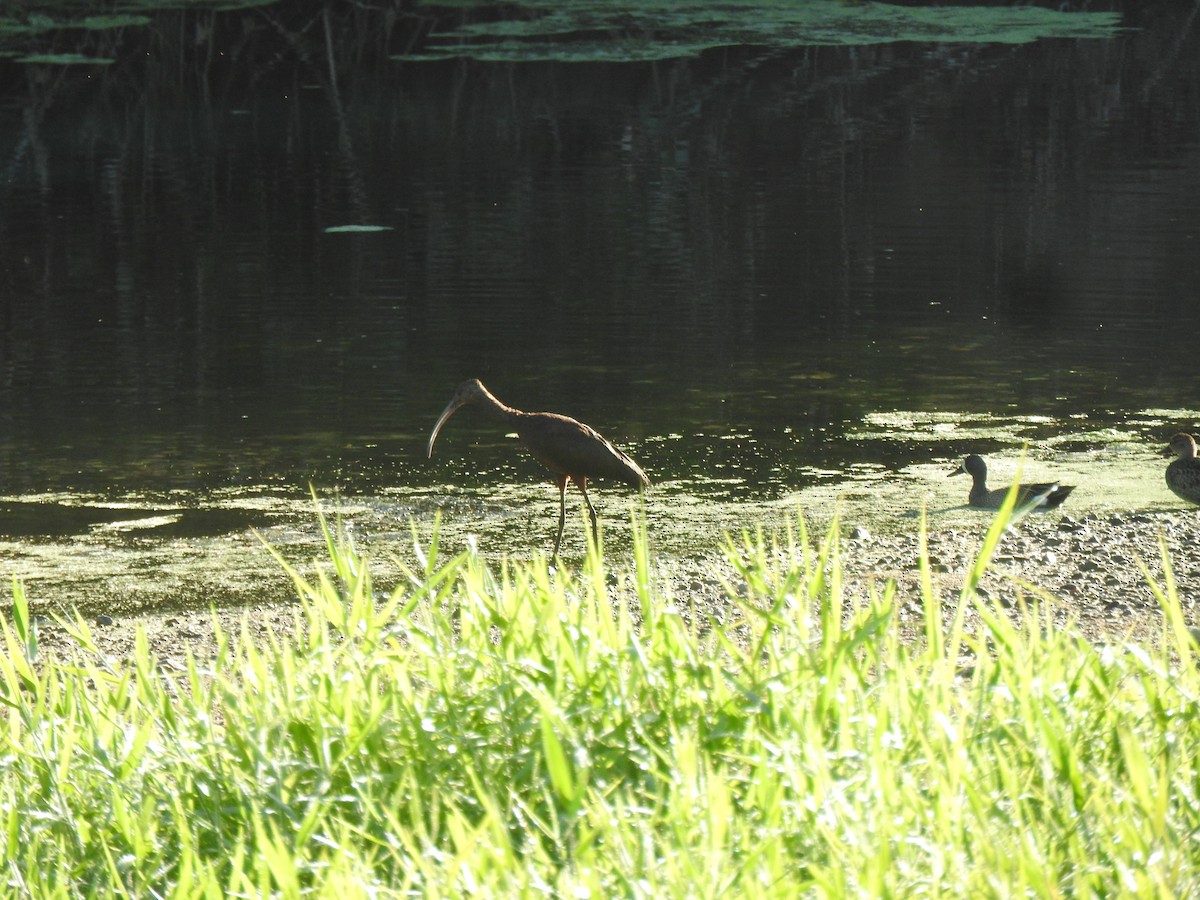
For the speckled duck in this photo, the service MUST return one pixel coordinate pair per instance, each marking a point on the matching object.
(1046, 495)
(1183, 475)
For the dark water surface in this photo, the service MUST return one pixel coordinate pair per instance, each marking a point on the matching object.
(775, 277)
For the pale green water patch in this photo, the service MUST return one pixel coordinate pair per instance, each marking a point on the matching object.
(609, 31)
(935, 425)
(1174, 419)
(129, 556)
(64, 59)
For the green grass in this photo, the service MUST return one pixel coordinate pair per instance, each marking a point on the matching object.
(501, 730)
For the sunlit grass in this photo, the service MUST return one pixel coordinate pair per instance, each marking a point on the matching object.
(511, 730)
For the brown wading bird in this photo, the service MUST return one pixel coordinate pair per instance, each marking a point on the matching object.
(569, 449)
(1183, 475)
(1045, 496)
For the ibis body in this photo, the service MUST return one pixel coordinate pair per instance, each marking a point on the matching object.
(572, 451)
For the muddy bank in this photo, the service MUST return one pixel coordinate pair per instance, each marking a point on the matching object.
(1090, 569)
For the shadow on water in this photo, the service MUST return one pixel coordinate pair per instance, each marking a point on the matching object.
(37, 518)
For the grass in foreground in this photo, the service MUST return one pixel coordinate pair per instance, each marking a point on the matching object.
(507, 731)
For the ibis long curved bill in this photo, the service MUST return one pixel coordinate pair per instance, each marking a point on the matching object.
(454, 406)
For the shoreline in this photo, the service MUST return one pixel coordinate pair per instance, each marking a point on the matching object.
(1088, 566)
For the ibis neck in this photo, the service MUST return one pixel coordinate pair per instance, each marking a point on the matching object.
(495, 408)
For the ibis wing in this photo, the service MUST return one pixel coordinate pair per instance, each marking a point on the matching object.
(568, 447)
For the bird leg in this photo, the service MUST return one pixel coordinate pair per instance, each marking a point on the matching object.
(581, 483)
(561, 481)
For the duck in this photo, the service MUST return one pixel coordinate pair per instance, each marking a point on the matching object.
(1183, 475)
(1045, 495)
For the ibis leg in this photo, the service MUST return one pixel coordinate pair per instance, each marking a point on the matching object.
(581, 483)
(561, 480)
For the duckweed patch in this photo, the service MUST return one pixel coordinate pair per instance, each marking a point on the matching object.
(1176, 419)
(177, 548)
(587, 31)
(64, 59)
(943, 426)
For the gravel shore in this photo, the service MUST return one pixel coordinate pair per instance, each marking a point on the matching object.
(1089, 566)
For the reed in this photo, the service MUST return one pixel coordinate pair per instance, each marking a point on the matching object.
(506, 729)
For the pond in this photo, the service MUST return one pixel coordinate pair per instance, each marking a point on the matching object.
(804, 265)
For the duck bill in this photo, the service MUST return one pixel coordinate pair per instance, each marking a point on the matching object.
(959, 471)
(450, 410)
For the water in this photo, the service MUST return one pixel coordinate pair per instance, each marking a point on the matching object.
(778, 278)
